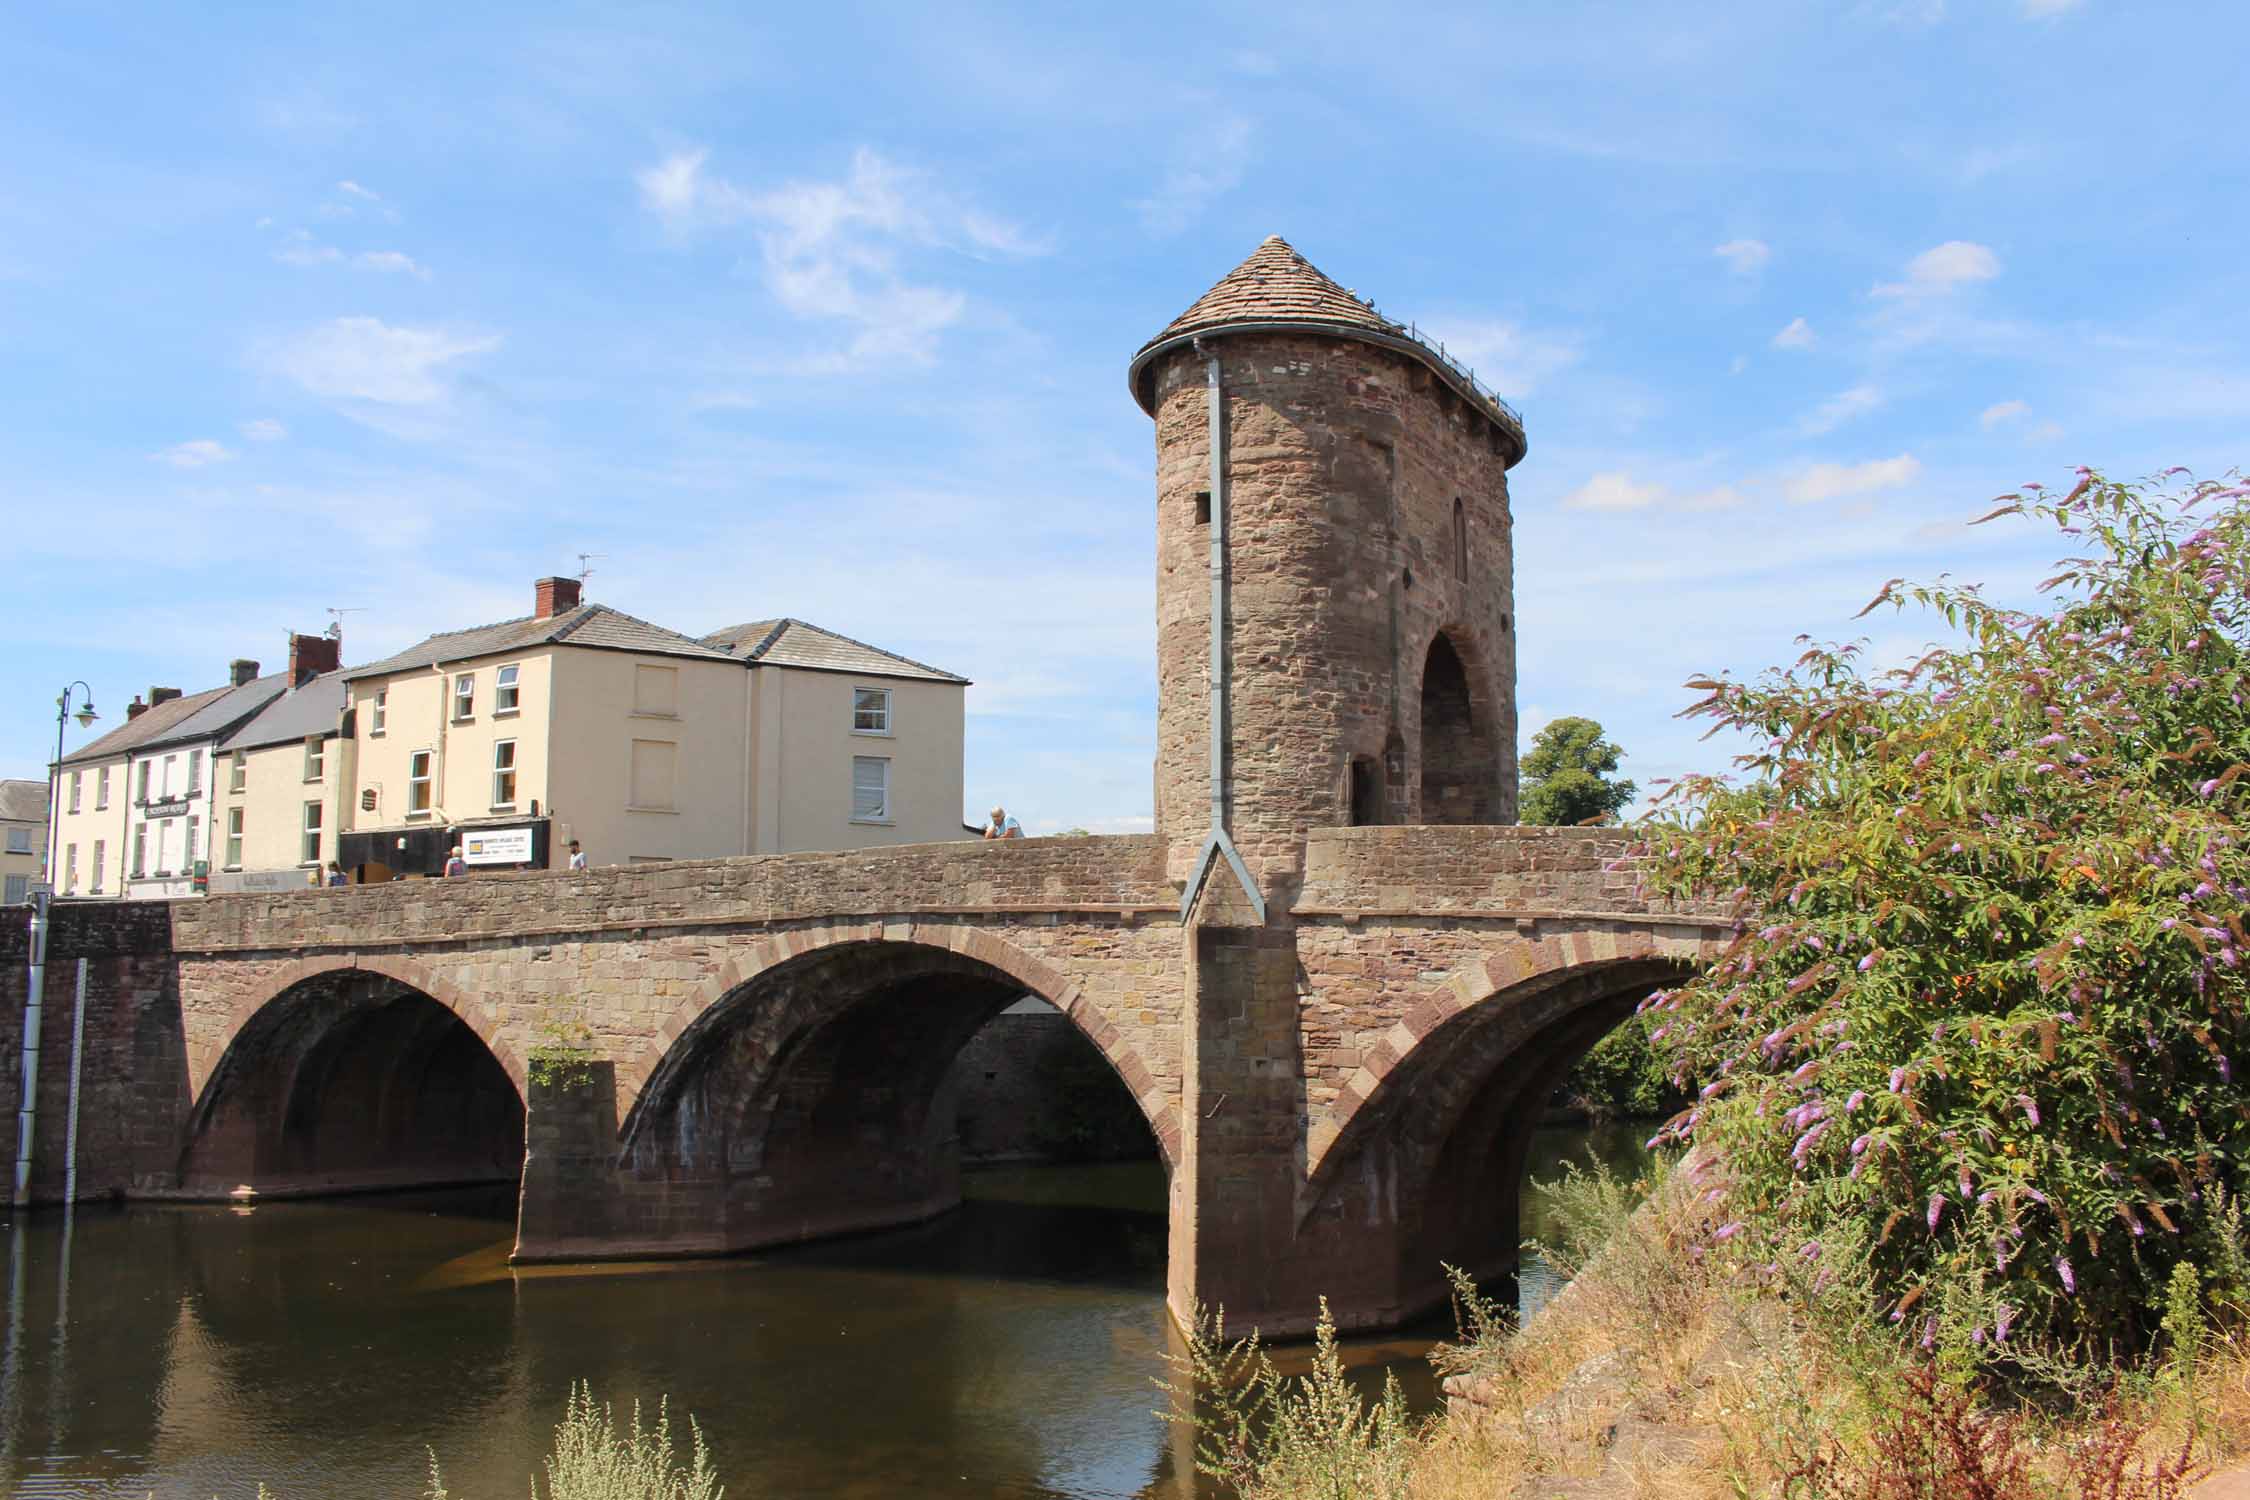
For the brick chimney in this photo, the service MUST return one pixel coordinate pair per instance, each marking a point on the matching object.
(158, 695)
(135, 709)
(241, 670)
(311, 655)
(554, 596)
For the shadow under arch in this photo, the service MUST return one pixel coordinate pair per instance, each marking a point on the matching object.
(351, 1079)
(1459, 750)
(1438, 1148)
(815, 1096)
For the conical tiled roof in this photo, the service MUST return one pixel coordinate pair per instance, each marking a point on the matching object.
(1275, 285)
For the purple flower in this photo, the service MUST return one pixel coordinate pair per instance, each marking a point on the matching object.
(1937, 1207)
(1859, 1097)
(1898, 1079)
(2069, 1279)
(1811, 1251)
(2030, 1109)
(2209, 787)
(1727, 1231)
(2006, 1318)
(1867, 963)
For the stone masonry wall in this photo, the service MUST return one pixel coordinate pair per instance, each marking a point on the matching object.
(1343, 465)
(133, 1077)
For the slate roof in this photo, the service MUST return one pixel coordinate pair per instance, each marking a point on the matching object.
(226, 712)
(795, 643)
(23, 801)
(594, 625)
(1276, 285)
(153, 726)
(294, 716)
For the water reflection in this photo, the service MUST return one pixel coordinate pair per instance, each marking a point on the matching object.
(1008, 1349)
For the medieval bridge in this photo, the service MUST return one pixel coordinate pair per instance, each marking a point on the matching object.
(1338, 985)
(699, 1058)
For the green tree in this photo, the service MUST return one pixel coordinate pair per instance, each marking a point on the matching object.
(1566, 775)
(1986, 1004)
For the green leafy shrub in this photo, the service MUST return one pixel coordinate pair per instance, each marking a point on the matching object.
(596, 1459)
(1986, 990)
(1624, 1076)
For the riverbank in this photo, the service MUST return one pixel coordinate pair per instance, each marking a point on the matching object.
(1668, 1368)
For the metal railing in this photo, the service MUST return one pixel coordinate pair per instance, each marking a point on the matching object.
(1437, 347)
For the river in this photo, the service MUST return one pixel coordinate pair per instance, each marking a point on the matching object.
(327, 1348)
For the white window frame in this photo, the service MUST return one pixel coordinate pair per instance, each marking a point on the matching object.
(164, 792)
(70, 869)
(19, 841)
(77, 780)
(464, 697)
(147, 769)
(194, 772)
(883, 814)
(187, 854)
(379, 708)
(316, 758)
(18, 890)
(504, 776)
(308, 850)
(507, 689)
(140, 848)
(238, 771)
(881, 727)
(234, 838)
(101, 789)
(419, 789)
(101, 855)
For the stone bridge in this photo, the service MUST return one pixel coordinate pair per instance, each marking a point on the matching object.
(700, 1058)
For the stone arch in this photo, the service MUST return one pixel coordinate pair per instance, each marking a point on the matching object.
(343, 1077)
(644, 1080)
(1460, 752)
(1430, 1138)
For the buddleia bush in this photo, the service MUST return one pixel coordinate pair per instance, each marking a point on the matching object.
(1985, 998)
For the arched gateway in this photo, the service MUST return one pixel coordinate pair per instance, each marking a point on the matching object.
(1336, 983)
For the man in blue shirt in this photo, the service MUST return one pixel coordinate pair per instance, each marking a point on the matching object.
(1002, 826)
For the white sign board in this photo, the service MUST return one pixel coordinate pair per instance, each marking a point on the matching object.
(497, 846)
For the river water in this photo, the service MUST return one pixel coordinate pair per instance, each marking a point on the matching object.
(327, 1349)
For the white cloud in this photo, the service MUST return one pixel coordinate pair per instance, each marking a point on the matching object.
(2045, 432)
(831, 250)
(1740, 363)
(355, 190)
(263, 430)
(2047, 10)
(1718, 497)
(1942, 268)
(366, 359)
(194, 454)
(1744, 257)
(1835, 481)
(1507, 357)
(1612, 491)
(1839, 409)
(390, 260)
(2003, 411)
(1207, 162)
(1798, 335)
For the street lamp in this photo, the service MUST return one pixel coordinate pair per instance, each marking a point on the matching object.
(85, 717)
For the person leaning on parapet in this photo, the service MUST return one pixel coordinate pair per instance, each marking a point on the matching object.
(577, 856)
(336, 874)
(456, 865)
(1002, 826)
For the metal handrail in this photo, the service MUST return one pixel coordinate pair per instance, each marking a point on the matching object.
(1437, 347)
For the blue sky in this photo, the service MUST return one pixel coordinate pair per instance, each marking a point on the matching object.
(826, 312)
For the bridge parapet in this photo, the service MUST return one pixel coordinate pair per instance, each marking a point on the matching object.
(1477, 871)
(1092, 874)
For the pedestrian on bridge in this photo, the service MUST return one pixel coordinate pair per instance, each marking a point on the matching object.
(1002, 826)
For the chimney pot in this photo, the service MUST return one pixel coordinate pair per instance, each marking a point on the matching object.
(554, 596)
(311, 655)
(241, 670)
(135, 709)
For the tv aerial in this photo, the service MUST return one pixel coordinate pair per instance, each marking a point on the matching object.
(586, 561)
(336, 618)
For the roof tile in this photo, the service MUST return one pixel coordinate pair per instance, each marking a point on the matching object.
(794, 643)
(1279, 285)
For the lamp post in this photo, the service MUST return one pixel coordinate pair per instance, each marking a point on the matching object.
(27, 1111)
(86, 717)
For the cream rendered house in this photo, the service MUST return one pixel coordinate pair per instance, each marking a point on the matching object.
(581, 722)
(277, 795)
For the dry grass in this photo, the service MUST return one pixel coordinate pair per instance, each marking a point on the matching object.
(1662, 1374)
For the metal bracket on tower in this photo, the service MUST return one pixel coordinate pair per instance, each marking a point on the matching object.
(1216, 842)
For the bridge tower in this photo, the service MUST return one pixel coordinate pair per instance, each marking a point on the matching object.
(1353, 538)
